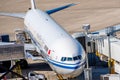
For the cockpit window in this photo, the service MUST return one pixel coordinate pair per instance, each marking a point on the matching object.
(75, 58)
(79, 56)
(63, 59)
(71, 58)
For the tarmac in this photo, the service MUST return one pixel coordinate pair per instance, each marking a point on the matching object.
(42, 67)
(98, 13)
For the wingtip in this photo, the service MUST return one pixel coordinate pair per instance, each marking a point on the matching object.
(75, 3)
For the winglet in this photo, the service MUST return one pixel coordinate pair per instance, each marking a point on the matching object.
(33, 6)
(59, 8)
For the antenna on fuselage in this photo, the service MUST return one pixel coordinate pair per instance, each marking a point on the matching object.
(33, 6)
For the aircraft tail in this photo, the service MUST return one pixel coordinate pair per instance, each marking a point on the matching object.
(33, 6)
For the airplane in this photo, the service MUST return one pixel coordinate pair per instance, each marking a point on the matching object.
(59, 49)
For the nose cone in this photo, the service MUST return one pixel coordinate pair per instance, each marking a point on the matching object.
(71, 70)
(68, 48)
(66, 69)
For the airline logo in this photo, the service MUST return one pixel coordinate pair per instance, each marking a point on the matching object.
(49, 51)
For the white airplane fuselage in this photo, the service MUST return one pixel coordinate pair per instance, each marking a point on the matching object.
(64, 54)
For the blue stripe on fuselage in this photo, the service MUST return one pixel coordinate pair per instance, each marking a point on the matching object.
(73, 66)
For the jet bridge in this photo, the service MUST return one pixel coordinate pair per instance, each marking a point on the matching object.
(108, 47)
(11, 51)
(109, 50)
(105, 44)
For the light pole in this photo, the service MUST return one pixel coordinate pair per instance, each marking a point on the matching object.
(87, 71)
(86, 27)
(109, 31)
(109, 59)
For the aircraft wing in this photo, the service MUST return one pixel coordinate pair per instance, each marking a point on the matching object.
(16, 15)
(59, 8)
(22, 15)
